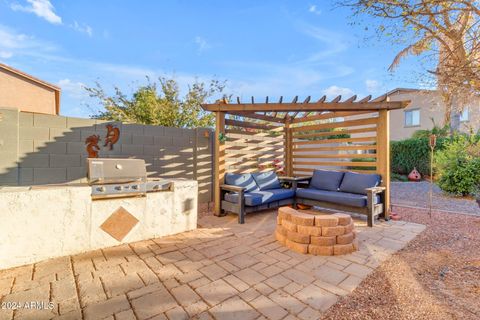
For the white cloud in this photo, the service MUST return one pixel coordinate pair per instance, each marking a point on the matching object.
(5, 54)
(373, 86)
(41, 8)
(13, 43)
(9, 39)
(313, 9)
(202, 44)
(75, 89)
(82, 28)
(333, 91)
(333, 42)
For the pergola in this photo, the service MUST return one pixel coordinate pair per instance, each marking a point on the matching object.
(299, 137)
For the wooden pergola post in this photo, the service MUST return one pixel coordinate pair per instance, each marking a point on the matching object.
(383, 155)
(288, 163)
(219, 174)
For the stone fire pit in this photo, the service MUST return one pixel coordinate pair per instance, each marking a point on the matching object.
(316, 232)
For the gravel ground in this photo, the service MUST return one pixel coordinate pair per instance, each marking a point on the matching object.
(416, 194)
(437, 276)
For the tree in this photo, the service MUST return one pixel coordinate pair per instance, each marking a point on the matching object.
(446, 32)
(159, 104)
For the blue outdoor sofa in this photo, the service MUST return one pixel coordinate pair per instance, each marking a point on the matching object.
(345, 191)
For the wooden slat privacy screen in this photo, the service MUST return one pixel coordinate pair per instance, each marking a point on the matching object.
(251, 146)
(301, 137)
(333, 142)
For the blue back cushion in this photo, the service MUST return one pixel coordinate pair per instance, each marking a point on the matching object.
(326, 180)
(357, 182)
(267, 180)
(241, 180)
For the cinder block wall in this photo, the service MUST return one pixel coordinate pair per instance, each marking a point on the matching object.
(44, 149)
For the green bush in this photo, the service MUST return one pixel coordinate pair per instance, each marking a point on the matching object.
(362, 160)
(412, 153)
(458, 165)
(440, 132)
(398, 177)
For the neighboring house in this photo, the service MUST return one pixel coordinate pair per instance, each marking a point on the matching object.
(22, 91)
(426, 105)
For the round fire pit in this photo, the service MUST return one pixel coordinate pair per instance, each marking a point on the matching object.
(316, 233)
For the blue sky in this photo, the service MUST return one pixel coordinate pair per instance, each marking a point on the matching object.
(260, 47)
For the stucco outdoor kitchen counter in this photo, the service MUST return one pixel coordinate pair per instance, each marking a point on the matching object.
(43, 222)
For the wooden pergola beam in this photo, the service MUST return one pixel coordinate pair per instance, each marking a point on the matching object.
(252, 125)
(257, 116)
(329, 115)
(293, 107)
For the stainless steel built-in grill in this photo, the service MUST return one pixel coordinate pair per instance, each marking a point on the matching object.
(112, 178)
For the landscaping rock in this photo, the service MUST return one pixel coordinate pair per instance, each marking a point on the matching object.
(326, 221)
(290, 226)
(340, 249)
(333, 231)
(298, 247)
(345, 238)
(323, 241)
(320, 250)
(298, 237)
(310, 230)
(302, 219)
(343, 219)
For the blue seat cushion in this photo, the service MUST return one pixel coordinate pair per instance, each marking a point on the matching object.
(348, 199)
(357, 182)
(326, 179)
(257, 198)
(267, 180)
(241, 180)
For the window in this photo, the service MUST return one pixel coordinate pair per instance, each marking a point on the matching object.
(412, 118)
(464, 115)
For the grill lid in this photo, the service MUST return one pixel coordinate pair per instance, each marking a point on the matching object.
(105, 171)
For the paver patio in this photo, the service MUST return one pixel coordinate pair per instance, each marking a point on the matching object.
(223, 270)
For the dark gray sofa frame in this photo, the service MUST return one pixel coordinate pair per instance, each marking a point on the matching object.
(371, 210)
(240, 209)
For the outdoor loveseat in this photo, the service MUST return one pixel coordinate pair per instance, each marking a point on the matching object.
(345, 191)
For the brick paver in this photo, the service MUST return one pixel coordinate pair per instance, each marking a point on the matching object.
(222, 270)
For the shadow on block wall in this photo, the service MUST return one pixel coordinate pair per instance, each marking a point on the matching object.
(41, 149)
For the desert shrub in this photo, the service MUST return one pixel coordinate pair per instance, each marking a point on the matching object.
(412, 153)
(458, 165)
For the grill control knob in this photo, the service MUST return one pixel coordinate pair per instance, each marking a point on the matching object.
(135, 187)
(118, 188)
(100, 189)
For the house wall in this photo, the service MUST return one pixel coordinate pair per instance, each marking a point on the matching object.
(41, 149)
(25, 95)
(431, 106)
